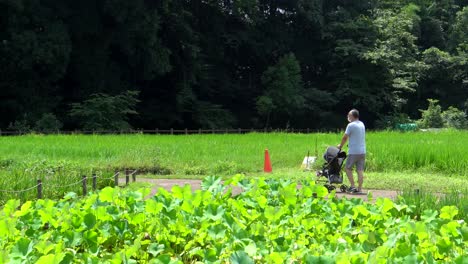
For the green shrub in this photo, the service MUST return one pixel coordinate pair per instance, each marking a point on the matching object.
(393, 121)
(455, 118)
(432, 116)
(48, 123)
(22, 125)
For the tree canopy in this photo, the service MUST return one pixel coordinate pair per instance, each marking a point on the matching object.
(228, 63)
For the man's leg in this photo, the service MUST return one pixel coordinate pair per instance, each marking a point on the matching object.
(360, 170)
(349, 169)
(360, 174)
(349, 173)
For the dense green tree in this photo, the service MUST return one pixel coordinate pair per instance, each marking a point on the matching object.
(35, 50)
(104, 112)
(283, 94)
(459, 32)
(229, 63)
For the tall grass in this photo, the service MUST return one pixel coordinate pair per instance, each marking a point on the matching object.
(421, 200)
(444, 152)
(64, 158)
(387, 151)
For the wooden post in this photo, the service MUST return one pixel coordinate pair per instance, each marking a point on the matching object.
(212, 131)
(186, 132)
(134, 176)
(127, 176)
(157, 131)
(85, 188)
(94, 182)
(39, 189)
(116, 178)
(199, 131)
(239, 131)
(308, 131)
(172, 131)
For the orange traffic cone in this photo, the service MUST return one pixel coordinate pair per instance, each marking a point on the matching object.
(267, 164)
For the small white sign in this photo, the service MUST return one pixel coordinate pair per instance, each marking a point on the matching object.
(307, 162)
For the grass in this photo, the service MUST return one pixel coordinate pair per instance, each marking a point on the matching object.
(434, 160)
(203, 154)
(424, 199)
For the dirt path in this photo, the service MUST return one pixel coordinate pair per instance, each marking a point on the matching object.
(195, 185)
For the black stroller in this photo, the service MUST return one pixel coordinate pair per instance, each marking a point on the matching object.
(331, 170)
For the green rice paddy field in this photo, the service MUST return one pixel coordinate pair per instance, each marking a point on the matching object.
(434, 160)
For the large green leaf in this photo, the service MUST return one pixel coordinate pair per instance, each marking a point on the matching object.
(107, 194)
(217, 232)
(22, 248)
(273, 214)
(310, 259)
(214, 212)
(51, 259)
(155, 249)
(25, 209)
(448, 212)
(91, 239)
(89, 220)
(240, 257)
(153, 207)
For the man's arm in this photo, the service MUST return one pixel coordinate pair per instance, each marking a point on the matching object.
(343, 141)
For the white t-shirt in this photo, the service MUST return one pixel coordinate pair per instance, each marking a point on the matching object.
(357, 137)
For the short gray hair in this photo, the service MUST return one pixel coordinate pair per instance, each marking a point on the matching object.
(354, 113)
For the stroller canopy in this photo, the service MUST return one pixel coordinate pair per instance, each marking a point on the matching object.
(333, 152)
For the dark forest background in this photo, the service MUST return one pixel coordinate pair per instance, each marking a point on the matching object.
(115, 64)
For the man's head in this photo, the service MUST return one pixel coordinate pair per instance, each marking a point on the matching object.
(353, 115)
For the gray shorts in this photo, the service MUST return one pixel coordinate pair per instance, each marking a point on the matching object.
(358, 159)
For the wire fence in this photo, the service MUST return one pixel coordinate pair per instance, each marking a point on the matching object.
(171, 131)
(19, 191)
(84, 182)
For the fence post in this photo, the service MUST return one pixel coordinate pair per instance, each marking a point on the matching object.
(212, 131)
(127, 176)
(85, 188)
(39, 189)
(94, 182)
(172, 131)
(157, 131)
(134, 176)
(308, 131)
(199, 131)
(239, 131)
(116, 178)
(186, 132)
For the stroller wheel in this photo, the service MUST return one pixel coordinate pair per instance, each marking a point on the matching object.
(330, 187)
(343, 188)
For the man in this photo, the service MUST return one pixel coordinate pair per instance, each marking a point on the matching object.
(356, 133)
